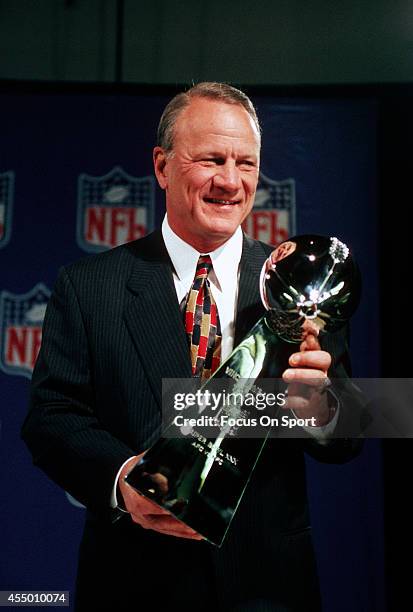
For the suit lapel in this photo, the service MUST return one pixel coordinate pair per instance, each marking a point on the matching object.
(249, 306)
(153, 316)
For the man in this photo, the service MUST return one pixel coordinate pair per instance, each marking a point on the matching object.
(114, 328)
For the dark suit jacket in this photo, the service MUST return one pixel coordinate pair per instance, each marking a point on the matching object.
(112, 331)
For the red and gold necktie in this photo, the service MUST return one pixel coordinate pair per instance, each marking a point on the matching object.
(202, 323)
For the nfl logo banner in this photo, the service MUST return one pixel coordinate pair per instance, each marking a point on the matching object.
(21, 320)
(114, 209)
(272, 218)
(6, 203)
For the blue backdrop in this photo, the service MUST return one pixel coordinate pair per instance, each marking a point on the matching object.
(75, 177)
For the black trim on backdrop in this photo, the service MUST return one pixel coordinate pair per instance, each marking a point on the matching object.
(395, 198)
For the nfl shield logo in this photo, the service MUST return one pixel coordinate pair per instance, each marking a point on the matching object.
(272, 219)
(6, 202)
(21, 319)
(113, 209)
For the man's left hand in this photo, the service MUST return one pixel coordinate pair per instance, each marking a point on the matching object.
(307, 378)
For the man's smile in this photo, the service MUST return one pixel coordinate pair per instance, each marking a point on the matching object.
(221, 201)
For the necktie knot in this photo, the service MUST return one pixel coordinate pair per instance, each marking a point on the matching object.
(203, 267)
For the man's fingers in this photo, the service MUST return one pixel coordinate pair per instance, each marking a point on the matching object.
(149, 515)
(166, 524)
(137, 503)
(314, 359)
(310, 343)
(312, 378)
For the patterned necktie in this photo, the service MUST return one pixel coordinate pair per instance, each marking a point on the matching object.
(202, 323)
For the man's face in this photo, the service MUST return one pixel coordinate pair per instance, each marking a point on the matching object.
(211, 177)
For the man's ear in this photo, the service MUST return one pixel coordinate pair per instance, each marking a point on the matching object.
(160, 163)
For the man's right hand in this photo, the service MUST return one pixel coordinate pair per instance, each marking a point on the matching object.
(148, 514)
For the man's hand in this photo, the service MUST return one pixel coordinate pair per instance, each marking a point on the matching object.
(148, 514)
(307, 377)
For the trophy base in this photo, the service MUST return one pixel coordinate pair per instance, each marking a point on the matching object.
(199, 484)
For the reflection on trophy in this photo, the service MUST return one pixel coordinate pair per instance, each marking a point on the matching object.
(200, 479)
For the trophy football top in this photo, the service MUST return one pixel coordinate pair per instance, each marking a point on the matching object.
(309, 278)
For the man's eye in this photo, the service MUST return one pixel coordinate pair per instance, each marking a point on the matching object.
(248, 163)
(214, 160)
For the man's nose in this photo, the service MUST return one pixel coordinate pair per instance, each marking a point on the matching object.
(227, 177)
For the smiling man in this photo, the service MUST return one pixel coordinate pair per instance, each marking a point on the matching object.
(119, 322)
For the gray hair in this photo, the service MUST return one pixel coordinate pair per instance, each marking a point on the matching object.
(214, 91)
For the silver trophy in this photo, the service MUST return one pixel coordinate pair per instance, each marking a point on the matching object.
(200, 479)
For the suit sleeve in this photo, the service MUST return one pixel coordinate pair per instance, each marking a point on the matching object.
(62, 430)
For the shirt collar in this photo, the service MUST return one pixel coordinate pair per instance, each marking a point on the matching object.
(184, 257)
